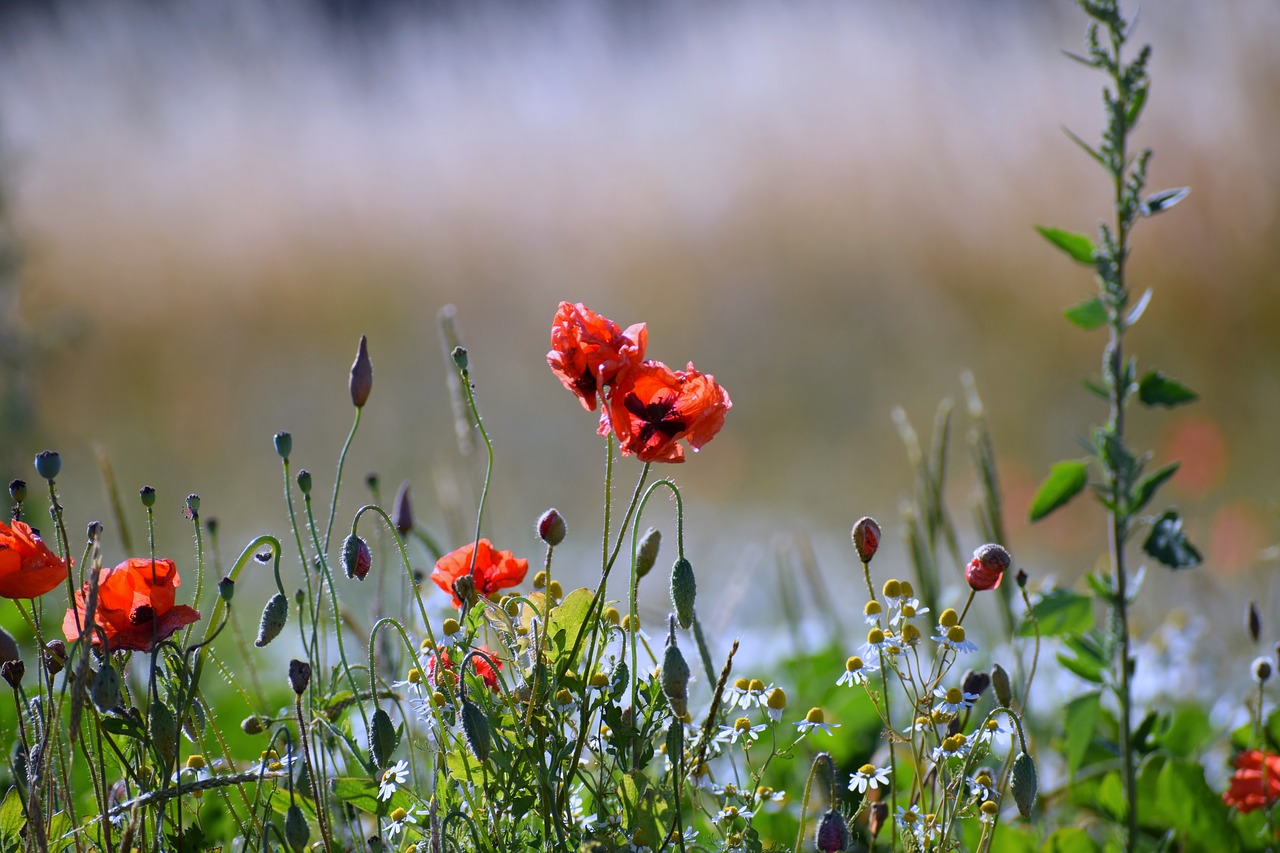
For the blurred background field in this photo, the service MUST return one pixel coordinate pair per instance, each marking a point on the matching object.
(829, 206)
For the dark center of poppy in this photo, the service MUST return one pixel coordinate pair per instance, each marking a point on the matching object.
(142, 615)
(659, 417)
(586, 383)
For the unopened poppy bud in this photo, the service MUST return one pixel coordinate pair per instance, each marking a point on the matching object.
(1021, 579)
(299, 676)
(211, 524)
(8, 646)
(866, 538)
(684, 589)
(104, 689)
(253, 725)
(975, 682)
(987, 568)
(296, 830)
(460, 358)
(299, 596)
(1022, 783)
(12, 671)
(93, 531)
(833, 832)
(1261, 670)
(465, 589)
(402, 510)
(551, 527)
(879, 814)
(475, 729)
(18, 490)
(356, 557)
(383, 740)
(164, 733)
(148, 496)
(1253, 621)
(361, 381)
(304, 481)
(647, 551)
(48, 464)
(227, 589)
(193, 504)
(675, 674)
(284, 444)
(1000, 683)
(55, 656)
(274, 617)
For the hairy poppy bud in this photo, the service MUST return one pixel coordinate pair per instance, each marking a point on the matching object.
(193, 504)
(299, 676)
(1000, 683)
(274, 617)
(1022, 783)
(1261, 670)
(987, 568)
(833, 832)
(975, 682)
(296, 830)
(18, 490)
(104, 690)
(164, 733)
(12, 671)
(551, 527)
(1253, 621)
(361, 381)
(284, 444)
(1021, 578)
(647, 552)
(684, 589)
(147, 494)
(356, 557)
(304, 481)
(8, 646)
(253, 725)
(475, 729)
(460, 359)
(227, 589)
(866, 538)
(93, 531)
(55, 656)
(402, 510)
(384, 739)
(48, 464)
(675, 674)
(465, 589)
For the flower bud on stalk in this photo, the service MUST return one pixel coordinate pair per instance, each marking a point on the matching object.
(1022, 783)
(551, 527)
(647, 552)
(284, 444)
(304, 481)
(18, 490)
(675, 674)
(105, 688)
(12, 671)
(1261, 670)
(475, 729)
(356, 557)
(987, 568)
(253, 725)
(299, 676)
(147, 494)
(296, 830)
(833, 832)
(164, 733)
(274, 617)
(975, 682)
(55, 656)
(227, 589)
(402, 510)
(866, 538)
(1253, 621)
(1000, 683)
(383, 740)
(684, 589)
(361, 380)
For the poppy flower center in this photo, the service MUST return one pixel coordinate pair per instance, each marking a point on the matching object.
(142, 615)
(586, 383)
(660, 416)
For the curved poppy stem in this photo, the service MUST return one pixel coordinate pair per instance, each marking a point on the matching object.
(337, 482)
(464, 372)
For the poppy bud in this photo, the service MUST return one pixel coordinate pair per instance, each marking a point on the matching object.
(460, 359)
(299, 676)
(193, 504)
(987, 568)
(647, 552)
(304, 481)
(684, 588)
(1021, 578)
(274, 617)
(866, 538)
(1253, 621)
(253, 725)
(211, 525)
(284, 444)
(164, 733)
(1261, 670)
(475, 729)
(675, 674)
(12, 671)
(193, 725)
(48, 464)
(551, 527)
(1022, 783)
(8, 646)
(879, 814)
(104, 690)
(93, 531)
(833, 832)
(227, 589)
(147, 494)
(465, 589)
(356, 557)
(1000, 683)
(383, 740)
(55, 656)
(975, 682)
(402, 510)
(361, 381)
(296, 830)
(18, 490)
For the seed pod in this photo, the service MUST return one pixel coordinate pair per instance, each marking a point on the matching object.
(866, 538)
(147, 494)
(274, 617)
(1000, 683)
(104, 690)
(475, 728)
(833, 832)
(684, 589)
(284, 444)
(402, 510)
(48, 464)
(1022, 783)
(384, 739)
(18, 490)
(647, 551)
(675, 675)
(296, 830)
(361, 381)
(299, 676)
(164, 734)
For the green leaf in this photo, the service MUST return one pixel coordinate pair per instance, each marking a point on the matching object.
(1066, 479)
(1086, 147)
(1163, 200)
(362, 793)
(1156, 389)
(1078, 246)
(1149, 484)
(1090, 314)
(1201, 814)
(1081, 715)
(1060, 611)
(1168, 543)
(1069, 840)
(11, 818)
(568, 617)
(124, 727)
(1188, 731)
(1096, 390)
(640, 807)
(1136, 105)
(1110, 796)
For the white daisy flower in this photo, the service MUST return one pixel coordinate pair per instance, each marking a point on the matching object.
(395, 775)
(868, 776)
(954, 700)
(816, 719)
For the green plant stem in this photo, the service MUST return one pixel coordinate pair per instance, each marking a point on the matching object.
(337, 480)
(311, 774)
(465, 375)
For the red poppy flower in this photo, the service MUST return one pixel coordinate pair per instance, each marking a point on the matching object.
(28, 569)
(479, 665)
(1256, 782)
(987, 568)
(135, 606)
(589, 352)
(655, 407)
(495, 569)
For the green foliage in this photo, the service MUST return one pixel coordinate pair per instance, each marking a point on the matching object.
(1168, 543)
(1156, 389)
(1066, 480)
(1077, 246)
(1057, 612)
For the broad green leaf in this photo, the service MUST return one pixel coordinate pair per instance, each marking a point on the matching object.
(1188, 731)
(1065, 481)
(1135, 313)
(62, 835)
(1156, 389)
(1168, 543)
(1110, 796)
(640, 807)
(1082, 669)
(1081, 714)
(1069, 840)
(1163, 200)
(1201, 815)
(1090, 314)
(362, 793)
(1078, 246)
(1060, 612)
(1146, 489)
(11, 818)
(567, 618)
(124, 727)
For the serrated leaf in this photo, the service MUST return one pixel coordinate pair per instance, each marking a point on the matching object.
(1078, 246)
(1149, 484)
(1066, 479)
(1156, 389)
(1081, 716)
(1168, 543)
(1135, 313)
(1090, 314)
(1060, 611)
(11, 818)
(1163, 200)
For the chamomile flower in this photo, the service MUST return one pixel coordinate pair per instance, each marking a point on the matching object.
(755, 694)
(873, 612)
(909, 818)
(196, 769)
(816, 719)
(990, 730)
(855, 672)
(395, 775)
(271, 764)
(775, 704)
(954, 700)
(577, 811)
(908, 608)
(729, 814)
(953, 637)
(980, 785)
(765, 794)
(740, 730)
(401, 818)
(878, 643)
(953, 746)
(868, 776)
